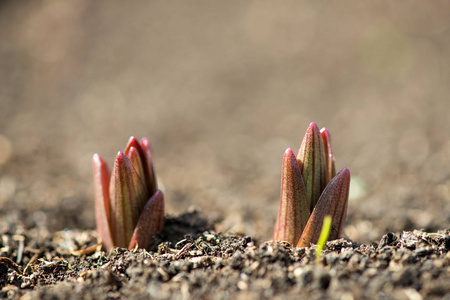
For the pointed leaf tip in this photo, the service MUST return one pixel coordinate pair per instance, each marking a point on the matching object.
(287, 153)
(330, 169)
(311, 159)
(131, 141)
(102, 200)
(146, 145)
(324, 130)
(133, 155)
(150, 223)
(134, 143)
(128, 196)
(145, 154)
(343, 187)
(150, 176)
(333, 202)
(294, 207)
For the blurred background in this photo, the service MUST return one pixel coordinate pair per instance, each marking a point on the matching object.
(222, 89)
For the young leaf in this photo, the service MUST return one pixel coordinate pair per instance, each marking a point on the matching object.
(147, 165)
(294, 206)
(127, 192)
(102, 202)
(330, 169)
(150, 223)
(133, 155)
(311, 159)
(150, 175)
(333, 202)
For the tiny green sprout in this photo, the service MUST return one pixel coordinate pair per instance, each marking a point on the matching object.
(324, 234)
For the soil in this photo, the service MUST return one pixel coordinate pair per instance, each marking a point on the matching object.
(208, 265)
(221, 90)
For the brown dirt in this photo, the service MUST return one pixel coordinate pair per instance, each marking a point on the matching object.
(206, 265)
(222, 90)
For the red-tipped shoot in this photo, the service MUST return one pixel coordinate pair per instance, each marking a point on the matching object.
(127, 203)
(294, 212)
(310, 190)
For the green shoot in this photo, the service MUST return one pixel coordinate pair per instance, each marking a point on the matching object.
(324, 234)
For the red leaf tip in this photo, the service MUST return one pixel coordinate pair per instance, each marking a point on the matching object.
(131, 140)
(121, 196)
(120, 155)
(96, 159)
(312, 125)
(324, 192)
(345, 172)
(288, 151)
(324, 131)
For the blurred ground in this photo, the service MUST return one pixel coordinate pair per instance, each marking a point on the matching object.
(222, 89)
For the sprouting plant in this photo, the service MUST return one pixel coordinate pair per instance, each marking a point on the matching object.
(310, 190)
(323, 238)
(129, 209)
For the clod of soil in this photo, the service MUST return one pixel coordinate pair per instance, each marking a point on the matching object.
(189, 260)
